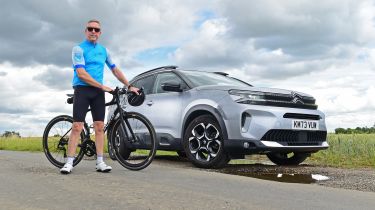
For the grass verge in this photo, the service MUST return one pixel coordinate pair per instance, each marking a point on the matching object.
(345, 151)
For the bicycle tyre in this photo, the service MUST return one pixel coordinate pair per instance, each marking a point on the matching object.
(124, 149)
(59, 127)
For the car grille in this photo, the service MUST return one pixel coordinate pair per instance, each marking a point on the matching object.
(302, 116)
(292, 100)
(295, 138)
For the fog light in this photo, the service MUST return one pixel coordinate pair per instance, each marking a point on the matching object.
(246, 145)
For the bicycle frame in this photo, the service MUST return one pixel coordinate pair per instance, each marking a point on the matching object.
(123, 137)
(122, 113)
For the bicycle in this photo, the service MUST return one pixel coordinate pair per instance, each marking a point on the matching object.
(131, 136)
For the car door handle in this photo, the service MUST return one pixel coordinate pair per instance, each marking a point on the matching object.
(150, 103)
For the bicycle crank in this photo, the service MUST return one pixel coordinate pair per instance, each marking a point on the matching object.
(89, 148)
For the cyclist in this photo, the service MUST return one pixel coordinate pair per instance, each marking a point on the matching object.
(89, 58)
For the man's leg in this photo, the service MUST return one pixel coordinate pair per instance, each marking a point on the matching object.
(74, 137)
(99, 142)
(99, 137)
(80, 106)
(72, 146)
(98, 114)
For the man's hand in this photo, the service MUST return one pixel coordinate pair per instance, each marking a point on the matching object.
(134, 89)
(106, 89)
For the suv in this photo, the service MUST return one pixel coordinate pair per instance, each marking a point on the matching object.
(211, 118)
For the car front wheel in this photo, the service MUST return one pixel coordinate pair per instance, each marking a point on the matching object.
(291, 158)
(203, 143)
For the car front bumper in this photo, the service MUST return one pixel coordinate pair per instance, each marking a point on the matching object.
(247, 147)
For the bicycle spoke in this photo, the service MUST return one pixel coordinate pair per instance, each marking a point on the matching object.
(136, 150)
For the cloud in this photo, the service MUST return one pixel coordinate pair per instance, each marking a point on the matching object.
(55, 78)
(280, 40)
(325, 49)
(300, 27)
(46, 33)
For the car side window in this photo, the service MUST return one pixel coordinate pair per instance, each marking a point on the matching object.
(168, 77)
(147, 83)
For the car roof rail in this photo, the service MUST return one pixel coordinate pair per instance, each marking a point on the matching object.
(221, 73)
(165, 67)
(159, 68)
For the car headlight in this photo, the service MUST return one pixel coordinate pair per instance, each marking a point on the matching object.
(246, 96)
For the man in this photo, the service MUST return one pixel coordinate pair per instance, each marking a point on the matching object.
(89, 58)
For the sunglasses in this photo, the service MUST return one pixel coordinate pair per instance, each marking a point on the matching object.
(91, 29)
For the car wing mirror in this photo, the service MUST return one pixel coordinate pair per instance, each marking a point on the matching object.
(173, 87)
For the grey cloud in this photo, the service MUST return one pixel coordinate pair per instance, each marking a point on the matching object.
(276, 40)
(298, 27)
(55, 78)
(44, 32)
(14, 109)
(3, 74)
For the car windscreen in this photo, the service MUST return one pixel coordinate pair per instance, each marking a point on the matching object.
(199, 78)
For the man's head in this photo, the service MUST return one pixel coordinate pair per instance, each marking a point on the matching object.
(93, 30)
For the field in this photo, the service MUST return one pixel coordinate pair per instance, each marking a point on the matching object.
(348, 151)
(345, 151)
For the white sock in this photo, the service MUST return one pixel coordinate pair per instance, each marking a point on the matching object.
(70, 160)
(99, 159)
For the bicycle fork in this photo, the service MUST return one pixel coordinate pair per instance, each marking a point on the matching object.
(125, 124)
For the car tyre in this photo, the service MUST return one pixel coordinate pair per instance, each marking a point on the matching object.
(203, 143)
(181, 154)
(284, 158)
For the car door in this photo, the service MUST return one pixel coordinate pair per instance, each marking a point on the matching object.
(163, 108)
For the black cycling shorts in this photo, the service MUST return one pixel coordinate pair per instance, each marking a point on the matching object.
(85, 97)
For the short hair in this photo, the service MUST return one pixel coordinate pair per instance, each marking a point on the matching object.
(93, 21)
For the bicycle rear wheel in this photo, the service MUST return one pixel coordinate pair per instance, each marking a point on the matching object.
(56, 138)
(134, 152)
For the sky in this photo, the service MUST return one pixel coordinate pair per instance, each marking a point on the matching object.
(323, 48)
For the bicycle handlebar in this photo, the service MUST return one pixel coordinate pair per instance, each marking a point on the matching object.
(117, 90)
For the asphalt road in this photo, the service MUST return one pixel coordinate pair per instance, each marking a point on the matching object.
(29, 181)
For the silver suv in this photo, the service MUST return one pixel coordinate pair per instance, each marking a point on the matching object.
(211, 118)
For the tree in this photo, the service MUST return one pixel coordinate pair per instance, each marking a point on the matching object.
(8, 134)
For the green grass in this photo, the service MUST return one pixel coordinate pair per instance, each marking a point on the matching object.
(346, 150)
(33, 144)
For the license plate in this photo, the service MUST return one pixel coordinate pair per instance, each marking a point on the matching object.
(305, 124)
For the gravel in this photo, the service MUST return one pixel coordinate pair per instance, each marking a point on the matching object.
(354, 179)
(362, 179)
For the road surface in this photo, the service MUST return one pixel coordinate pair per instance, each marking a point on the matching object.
(29, 181)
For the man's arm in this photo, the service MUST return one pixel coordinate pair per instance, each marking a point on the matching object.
(83, 75)
(121, 77)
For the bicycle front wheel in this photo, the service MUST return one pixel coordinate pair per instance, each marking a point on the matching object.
(56, 138)
(135, 144)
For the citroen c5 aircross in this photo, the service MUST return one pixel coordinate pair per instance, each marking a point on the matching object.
(211, 118)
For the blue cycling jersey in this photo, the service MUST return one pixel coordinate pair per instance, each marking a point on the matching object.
(91, 57)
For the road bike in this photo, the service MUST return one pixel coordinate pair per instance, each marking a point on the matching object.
(131, 136)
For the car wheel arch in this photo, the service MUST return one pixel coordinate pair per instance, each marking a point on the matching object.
(199, 110)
